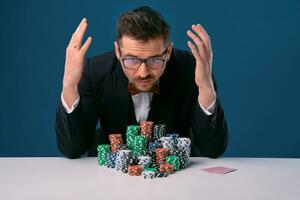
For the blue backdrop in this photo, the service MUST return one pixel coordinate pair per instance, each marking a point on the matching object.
(256, 63)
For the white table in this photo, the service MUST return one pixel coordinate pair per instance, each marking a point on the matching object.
(61, 178)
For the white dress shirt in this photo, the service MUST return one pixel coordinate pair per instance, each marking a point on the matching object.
(141, 102)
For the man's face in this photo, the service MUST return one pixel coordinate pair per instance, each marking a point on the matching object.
(143, 77)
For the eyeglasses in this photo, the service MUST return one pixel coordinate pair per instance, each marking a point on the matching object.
(152, 63)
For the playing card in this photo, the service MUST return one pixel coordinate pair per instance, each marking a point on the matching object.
(219, 170)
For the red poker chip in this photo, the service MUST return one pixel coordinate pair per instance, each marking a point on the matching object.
(146, 128)
(166, 168)
(135, 170)
(115, 141)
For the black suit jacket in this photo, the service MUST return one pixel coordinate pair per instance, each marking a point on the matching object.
(104, 96)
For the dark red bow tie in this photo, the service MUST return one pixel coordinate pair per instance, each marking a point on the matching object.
(133, 90)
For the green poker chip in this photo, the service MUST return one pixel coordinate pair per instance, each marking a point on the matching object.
(173, 160)
(150, 169)
(103, 151)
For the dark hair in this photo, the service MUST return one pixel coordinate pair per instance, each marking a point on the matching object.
(142, 23)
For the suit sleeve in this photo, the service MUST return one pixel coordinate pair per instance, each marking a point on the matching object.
(75, 132)
(208, 132)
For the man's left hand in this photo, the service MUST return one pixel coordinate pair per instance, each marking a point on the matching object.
(202, 51)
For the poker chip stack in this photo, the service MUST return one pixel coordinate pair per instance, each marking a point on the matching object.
(115, 141)
(161, 155)
(159, 130)
(173, 138)
(103, 151)
(133, 129)
(139, 145)
(148, 151)
(146, 130)
(183, 158)
(111, 159)
(173, 160)
(168, 142)
(166, 168)
(131, 132)
(184, 144)
(135, 170)
(183, 151)
(122, 160)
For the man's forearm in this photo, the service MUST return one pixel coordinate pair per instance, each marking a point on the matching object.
(206, 97)
(70, 94)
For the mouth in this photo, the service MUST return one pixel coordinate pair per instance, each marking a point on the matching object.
(144, 83)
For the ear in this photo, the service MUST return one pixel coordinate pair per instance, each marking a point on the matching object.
(117, 50)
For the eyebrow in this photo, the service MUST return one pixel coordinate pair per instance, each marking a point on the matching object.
(153, 56)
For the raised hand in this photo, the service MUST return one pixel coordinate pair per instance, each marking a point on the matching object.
(202, 51)
(75, 54)
(74, 62)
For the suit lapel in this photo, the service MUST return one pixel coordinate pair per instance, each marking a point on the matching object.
(121, 96)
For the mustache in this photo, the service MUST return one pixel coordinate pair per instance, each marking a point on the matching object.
(149, 77)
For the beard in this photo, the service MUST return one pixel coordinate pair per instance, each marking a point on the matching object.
(144, 84)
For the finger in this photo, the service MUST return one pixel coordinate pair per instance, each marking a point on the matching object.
(81, 32)
(80, 24)
(194, 50)
(86, 45)
(209, 48)
(203, 35)
(200, 27)
(77, 36)
(200, 45)
(201, 32)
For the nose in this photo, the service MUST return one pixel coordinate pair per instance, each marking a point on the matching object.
(143, 71)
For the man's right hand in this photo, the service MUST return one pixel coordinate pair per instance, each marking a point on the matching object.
(74, 63)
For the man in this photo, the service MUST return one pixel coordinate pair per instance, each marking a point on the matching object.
(144, 78)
